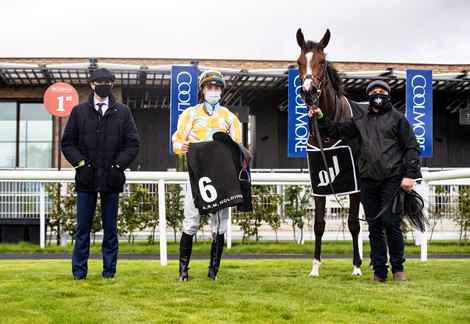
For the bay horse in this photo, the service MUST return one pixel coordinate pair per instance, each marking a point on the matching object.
(322, 86)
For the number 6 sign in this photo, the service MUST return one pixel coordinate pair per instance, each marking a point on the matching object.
(208, 192)
(60, 98)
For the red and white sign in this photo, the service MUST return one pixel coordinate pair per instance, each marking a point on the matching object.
(60, 98)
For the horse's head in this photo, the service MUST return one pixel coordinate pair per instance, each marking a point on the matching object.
(312, 67)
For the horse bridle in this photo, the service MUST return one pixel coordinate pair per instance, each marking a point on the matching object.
(321, 80)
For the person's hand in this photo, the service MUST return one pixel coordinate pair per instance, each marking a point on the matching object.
(185, 147)
(315, 111)
(407, 184)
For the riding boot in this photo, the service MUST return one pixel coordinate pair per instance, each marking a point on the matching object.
(216, 254)
(186, 247)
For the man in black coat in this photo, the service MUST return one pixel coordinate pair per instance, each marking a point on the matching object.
(100, 141)
(389, 159)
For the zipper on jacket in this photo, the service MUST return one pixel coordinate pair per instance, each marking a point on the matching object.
(370, 142)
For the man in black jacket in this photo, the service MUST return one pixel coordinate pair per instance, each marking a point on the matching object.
(100, 141)
(389, 158)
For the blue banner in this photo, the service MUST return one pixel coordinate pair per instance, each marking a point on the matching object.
(419, 107)
(183, 93)
(298, 129)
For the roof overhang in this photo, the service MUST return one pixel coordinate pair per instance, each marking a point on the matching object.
(149, 86)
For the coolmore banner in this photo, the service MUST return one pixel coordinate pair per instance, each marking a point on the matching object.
(341, 171)
(298, 128)
(419, 107)
(183, 93)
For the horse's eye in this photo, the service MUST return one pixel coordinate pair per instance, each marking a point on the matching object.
(299, 62)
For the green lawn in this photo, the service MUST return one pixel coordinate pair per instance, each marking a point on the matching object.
(263, 247)
(247, 291)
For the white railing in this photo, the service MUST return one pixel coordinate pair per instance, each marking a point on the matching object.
(161, 178)
(428, 178)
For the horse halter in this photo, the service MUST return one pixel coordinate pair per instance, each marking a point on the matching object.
(313, 100)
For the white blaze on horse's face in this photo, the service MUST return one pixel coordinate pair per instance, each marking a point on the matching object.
(307, 85)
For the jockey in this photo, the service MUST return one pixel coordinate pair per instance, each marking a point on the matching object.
(198, 124)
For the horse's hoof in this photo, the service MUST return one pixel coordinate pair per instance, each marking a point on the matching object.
(357, 271)
(316, 268)
(314, 273)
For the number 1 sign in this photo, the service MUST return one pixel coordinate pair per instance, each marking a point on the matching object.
(60, 98)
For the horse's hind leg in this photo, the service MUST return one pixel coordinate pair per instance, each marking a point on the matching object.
(354, 228)
(319, 228)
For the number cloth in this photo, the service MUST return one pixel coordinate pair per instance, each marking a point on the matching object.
(219, 176)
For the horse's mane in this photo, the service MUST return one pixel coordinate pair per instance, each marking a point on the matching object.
(333, 75)
(335, 79)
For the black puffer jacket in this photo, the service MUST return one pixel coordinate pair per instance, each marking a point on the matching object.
(108, 145)
(387, 143)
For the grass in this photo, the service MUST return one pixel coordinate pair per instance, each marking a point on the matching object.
(263, 247)
(254, 291)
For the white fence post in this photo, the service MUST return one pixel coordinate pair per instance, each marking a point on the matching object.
(229, 228)
(162, 222)
(360, 239)
(424, 235)
(42, 216)
(63, 234)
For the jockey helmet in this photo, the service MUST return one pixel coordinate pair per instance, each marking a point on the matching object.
(213, 77)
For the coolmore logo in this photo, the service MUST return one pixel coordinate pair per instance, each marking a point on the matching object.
(298, 128)
(183, 93)
(419, 107)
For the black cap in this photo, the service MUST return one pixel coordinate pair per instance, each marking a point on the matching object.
(380, 84)
(102, 74)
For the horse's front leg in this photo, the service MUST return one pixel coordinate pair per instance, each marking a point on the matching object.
(319, 228)
(355, 228)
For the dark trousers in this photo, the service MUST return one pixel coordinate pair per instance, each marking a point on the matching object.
(386, 229)
(86, 205)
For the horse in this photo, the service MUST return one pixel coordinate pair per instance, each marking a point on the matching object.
(322, 86)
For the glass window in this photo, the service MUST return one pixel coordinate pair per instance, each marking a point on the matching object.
(35, 142)
(35, 154)
(8, 134)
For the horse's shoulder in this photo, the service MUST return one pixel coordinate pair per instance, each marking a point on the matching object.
(358, 108)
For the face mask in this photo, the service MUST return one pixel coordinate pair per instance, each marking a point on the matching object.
(212, 98)
(379, 100)
(103, 90)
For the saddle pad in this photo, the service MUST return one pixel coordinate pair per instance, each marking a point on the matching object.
(341, 171)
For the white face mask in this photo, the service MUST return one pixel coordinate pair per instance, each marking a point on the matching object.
(212, 98)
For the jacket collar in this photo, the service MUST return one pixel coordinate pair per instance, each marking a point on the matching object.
(91, 102)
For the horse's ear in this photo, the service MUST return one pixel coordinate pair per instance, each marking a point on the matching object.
(300, 38)
(325, 40)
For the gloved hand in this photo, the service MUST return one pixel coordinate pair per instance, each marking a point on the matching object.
(315, 111)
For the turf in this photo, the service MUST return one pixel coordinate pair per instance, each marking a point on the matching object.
(252, 291)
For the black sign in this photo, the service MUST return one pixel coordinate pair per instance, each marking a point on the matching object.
(341, 173)
(219, 175)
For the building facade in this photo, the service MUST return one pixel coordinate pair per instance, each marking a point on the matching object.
(256, 91)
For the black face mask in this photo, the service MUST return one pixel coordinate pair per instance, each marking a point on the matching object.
(379, 100)
(103, 90)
